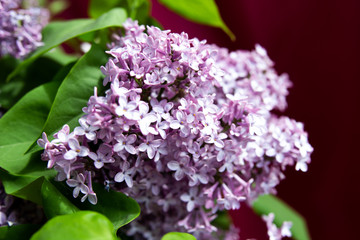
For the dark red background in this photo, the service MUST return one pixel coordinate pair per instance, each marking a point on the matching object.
(317, 43)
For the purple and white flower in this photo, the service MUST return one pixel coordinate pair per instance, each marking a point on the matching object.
(183, 126)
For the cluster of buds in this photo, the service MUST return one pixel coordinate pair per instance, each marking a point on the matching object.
(185, 128)
(20, 29)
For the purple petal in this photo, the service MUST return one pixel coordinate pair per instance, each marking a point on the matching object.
(129, 181)
(93, 156)
(190, 206)
(98, 165)
(118, 147)
(174, 124)
(190, 118)
(41, 143)
(131, 106)
(179, 115)
(131, 139)
(143, 147)
(173, 165)
(185, 197)
(72, 182)
(84, 151)
(74, 144)
(143, 108)
(69, 155)
(151, 117)
(130, 149)
(151, 152)
(119, 177)
(156, 143)
(79, 131)
(179, 174)
(92, 198)
(219, 143)
(76, 192)
(90, 136)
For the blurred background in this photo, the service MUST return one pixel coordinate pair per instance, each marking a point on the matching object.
(317, 43)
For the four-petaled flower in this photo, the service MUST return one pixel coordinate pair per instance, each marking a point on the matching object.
(150, 145)
(103, 155)
(125, 174)
(126, 108)
(181, 167)
(125, 142)
(216, 139)
(180, 122)
(192, 199)
(75, 150)
(78, 184)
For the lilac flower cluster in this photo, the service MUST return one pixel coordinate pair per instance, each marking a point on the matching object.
(185, 129)
(20, 29)
(274, 232)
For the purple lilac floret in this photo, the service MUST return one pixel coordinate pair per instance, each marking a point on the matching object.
(273, 231)
(20, 29)
(185, 129)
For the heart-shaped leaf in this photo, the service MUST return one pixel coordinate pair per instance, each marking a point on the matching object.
(119, 208)
(82, 225)
(136, 9)
(74, 92)
(25, 187)
(54, 203)
(22, 125)
(200, 11)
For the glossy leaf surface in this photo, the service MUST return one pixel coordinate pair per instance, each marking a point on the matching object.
(178, 236)
(54, 203)
(200, 11)
(82, 225)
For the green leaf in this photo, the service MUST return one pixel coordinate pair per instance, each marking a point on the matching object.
(222, 221)
(22, 125)
(58, 55)
(18, 232)
(99, 7)
(82, 225)
(54, 203)
(200, 11)
(178, 236)
(56, 33)
(42, 70)
(137, 9)
(25, 187)
(57, 6)
(7, 65)
(140, 10)
(266, 204)
(74, 92)
(119, 208)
